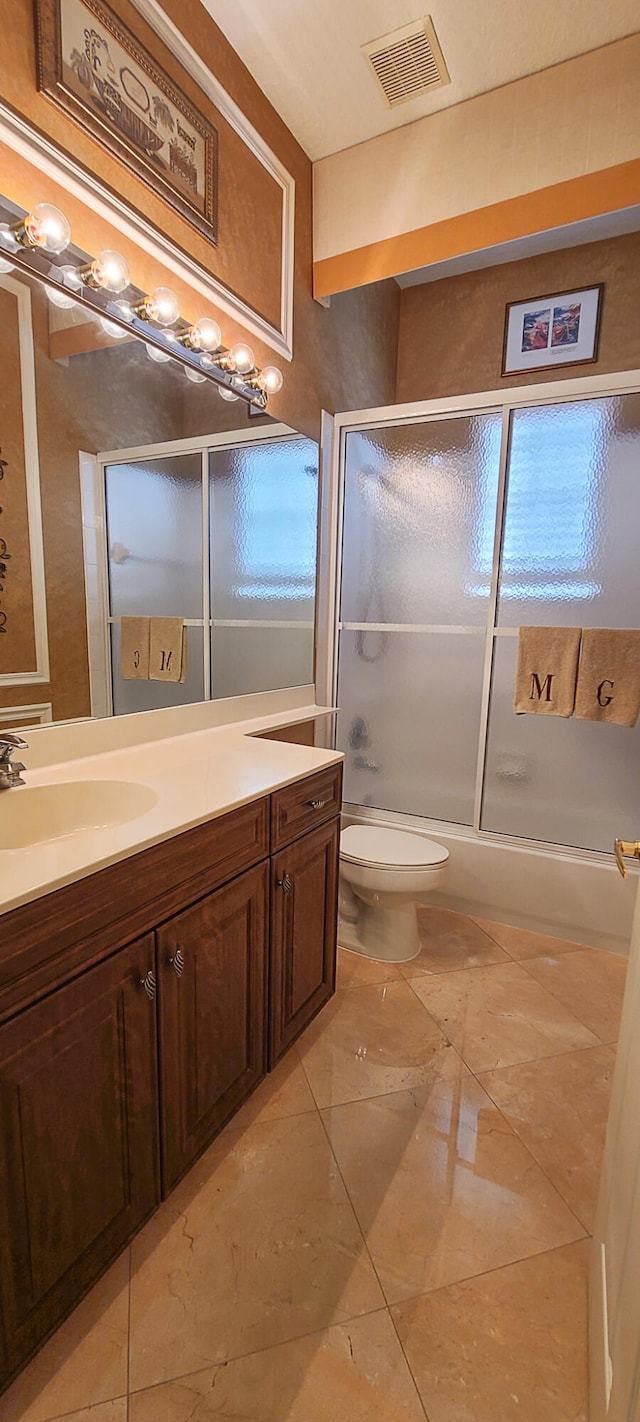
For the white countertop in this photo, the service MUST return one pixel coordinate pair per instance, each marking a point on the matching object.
(196, 777)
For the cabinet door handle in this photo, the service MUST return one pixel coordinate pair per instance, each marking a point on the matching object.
(316, 804)
(177, 963)
(285, 883)
(148, 982)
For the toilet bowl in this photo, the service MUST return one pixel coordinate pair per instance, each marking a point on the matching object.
(385, 874)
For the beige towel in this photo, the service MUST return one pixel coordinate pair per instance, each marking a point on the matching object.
(134, 648)
(546, 671)
(609, 676)
(168, 649)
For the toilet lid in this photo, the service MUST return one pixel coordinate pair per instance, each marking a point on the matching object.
(392, 848)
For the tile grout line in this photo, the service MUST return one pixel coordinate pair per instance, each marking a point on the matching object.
(511, 1129)
(575, 949)
(60, 1416)
(241, 1357)
(319, 1111)
(485, 1273)
(590, 1046)
(597, 1046)
(524, 1145)
(386, 1305)
(563, 1004)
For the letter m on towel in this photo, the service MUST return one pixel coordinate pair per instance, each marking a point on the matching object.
(547, 670)
(540, 691)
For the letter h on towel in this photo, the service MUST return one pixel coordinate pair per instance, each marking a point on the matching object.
(547, 670)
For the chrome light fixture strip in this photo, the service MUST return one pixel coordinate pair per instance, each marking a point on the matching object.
(37, 261)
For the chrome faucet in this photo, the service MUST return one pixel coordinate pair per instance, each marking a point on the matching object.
(10, 770)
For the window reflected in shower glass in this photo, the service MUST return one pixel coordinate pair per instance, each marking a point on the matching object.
(154, 530)
(560, 780)
(569, 553)
(410, 719)
(419, 501)
(263, 502)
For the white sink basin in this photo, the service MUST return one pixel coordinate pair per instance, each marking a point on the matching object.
(41, 813)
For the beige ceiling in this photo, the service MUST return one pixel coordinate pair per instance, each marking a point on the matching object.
(305, 54)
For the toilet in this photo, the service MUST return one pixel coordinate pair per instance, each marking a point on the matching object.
(385, 874)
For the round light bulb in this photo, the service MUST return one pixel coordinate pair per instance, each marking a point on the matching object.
(60, 298)
(194, 375)
(162, 306)
(242, 357)
(225, 393)
(47, 227)
(154, 353)
(206, 334)
(5, 266)
(271, 379)
(110, 272)
(111, 328)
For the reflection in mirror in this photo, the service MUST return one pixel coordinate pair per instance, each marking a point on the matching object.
(128, 490)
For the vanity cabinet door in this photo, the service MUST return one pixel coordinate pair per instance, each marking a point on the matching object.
(304, 920)
(78, 1141)
(212, 973)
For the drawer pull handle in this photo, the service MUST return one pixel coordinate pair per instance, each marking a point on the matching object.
(148, 982)
(285, 883)
(177, 963)
(317, 804)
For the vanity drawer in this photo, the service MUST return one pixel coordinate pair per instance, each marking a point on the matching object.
(51, 939)
(307, 803)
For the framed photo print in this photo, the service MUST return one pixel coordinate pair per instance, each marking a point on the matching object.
(561, 329)
(95, 69)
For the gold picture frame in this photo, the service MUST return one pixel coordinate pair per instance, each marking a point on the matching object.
(559, 329)
(98, 72)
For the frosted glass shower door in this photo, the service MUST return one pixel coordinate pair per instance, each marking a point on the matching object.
(569, 558)
(263, 518)
(418, 535)
(155, 547)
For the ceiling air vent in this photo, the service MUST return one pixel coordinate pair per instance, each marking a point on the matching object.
(407, 62)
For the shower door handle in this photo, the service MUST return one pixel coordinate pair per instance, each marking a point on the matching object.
(626, 847)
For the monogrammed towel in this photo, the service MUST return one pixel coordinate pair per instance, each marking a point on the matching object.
(134, 648)
(546, 671)
(168, 649)
(609, 676)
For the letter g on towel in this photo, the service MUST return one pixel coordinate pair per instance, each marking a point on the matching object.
(609, 676)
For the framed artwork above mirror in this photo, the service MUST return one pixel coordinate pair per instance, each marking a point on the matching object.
(92, 66)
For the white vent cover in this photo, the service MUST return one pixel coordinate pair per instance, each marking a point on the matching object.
(407, 62)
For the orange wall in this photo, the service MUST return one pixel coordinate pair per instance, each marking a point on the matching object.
(451, 331)
(247, 257)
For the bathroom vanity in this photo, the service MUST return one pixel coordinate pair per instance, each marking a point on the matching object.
(139, 1006)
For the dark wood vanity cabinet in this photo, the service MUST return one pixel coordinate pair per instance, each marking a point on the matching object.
(138, 1010)
(212, 966)
(79, 1169)
(304, 905)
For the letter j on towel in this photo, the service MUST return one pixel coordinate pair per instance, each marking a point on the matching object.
(547, 670)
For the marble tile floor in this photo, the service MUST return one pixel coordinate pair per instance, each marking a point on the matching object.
(394, 1227)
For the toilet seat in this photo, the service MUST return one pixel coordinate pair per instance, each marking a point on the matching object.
(390, 849)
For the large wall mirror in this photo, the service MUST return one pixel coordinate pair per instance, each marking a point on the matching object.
(127, 489)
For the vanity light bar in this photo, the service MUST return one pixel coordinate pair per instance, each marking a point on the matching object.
(38, 242)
